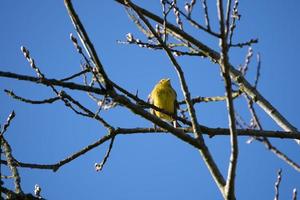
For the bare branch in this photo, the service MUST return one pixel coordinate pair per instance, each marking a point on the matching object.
(235, 16)
(196, 129)
(266, 141)
(257, 70)
(294, 194)
(99, 166)
(138, 23)
(177, 15)
(74, 86)
(235, 74)
(277, 184)
(7, 152)
(159, 47)
(248, 43)
(204, 5)
(54, 82)
(7, 124)
(12, 165)
(31, 61)
(278, 153)
(6, 177)
(194, 23)
(76, 75)
(86, 110)
(37, 191)
(62, 95)
(210, 99)
(224, 64)
(245, 67)
(87, 43)
(78, 48)
(12, 195)
(14, 96)
(211, 132)
(227, 19)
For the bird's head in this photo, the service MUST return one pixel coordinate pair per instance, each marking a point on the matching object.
(165, 81)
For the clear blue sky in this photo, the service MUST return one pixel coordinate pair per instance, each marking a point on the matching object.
(143, 166)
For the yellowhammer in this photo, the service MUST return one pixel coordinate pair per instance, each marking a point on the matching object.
(164, 96)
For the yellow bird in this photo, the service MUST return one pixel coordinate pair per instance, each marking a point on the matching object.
(164, 96)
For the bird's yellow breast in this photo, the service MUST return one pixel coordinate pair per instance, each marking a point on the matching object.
(164, 97)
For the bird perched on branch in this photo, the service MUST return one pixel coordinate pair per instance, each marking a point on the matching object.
(164, 96)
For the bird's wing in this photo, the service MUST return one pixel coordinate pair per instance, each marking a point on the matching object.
(176, 105)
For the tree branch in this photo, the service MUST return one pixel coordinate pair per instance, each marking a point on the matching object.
(16, 196)
(266, 141)
(87, 43)
(215, 172)
(235, 74)
(54, 82)
(12, 165)
(76, 75)
(294, 194)
(99, 166)
(8, 153)
(277, 184)
(224, 64)
(10, 117)
(44, 101)
(210, 99)
(211, 132)
(204, 5)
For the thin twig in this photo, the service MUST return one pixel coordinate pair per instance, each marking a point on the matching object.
(206, 17)
(196, 24)
(248, 43)
(227, 19)
(54, 82)
(6, 177)
(177, 13)
(76, 75)
(159, 47)
(93, 97)
(257, 70)
(294, 194)
(159, 30)
(99, 166)
(210, 99)
(79, 49)
(88, 112)
(85, 67)
(87, 44)
(266, 141)
(278, 153)
(138, 24)
(277, 184)
(7, 123)
(42, 76)
(235, 16)
(7, 152)
(245, 67)
(44, 101)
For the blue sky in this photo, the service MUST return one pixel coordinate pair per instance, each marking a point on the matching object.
(144, 166)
